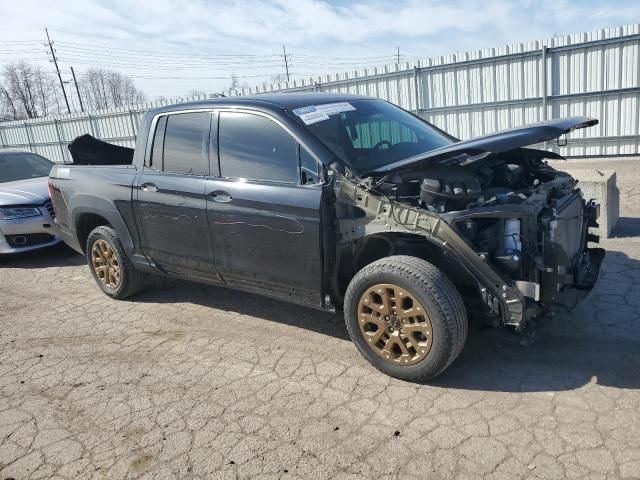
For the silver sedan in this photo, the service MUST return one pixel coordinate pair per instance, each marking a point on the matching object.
(26, 213)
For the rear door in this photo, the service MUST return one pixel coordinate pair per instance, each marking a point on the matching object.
(171, 205)
(264, 209)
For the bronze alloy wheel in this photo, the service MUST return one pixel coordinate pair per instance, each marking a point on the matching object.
(395, 324)
(105, 263)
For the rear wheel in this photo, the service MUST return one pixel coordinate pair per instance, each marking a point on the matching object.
(110, 266)
(406, 317)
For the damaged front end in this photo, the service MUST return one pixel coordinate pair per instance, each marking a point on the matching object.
(537, 241)
(517, 227)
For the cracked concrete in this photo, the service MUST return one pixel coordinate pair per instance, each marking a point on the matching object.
(191, 381)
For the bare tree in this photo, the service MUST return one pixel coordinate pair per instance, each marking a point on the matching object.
(26, 91)
(8, 109)
(280, 78)
(197, 93)
(236, 84)
(102, 89)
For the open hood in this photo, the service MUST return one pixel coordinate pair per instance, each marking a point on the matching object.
(465, 151)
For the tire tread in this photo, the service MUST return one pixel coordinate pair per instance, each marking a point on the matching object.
(435, 283)
(133, 280)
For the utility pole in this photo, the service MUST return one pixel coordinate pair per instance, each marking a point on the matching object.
(398, 56)
(77, 90)
(55, 62)
(286, 62)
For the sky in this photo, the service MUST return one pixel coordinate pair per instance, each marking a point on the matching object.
(171, 47)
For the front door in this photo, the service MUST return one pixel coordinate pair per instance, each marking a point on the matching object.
(263, 213)
(171, 205)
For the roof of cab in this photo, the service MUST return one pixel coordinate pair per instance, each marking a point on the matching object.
(268, 100)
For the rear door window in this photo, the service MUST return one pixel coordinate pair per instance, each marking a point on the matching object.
(257, 148)
(186, 144)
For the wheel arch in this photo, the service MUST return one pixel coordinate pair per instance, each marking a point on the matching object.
(97, 211)
(375, 246)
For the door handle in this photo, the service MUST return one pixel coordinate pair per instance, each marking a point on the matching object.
(219, 196)
(149, 187)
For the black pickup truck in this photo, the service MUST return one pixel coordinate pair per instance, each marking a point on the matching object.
(338, 202)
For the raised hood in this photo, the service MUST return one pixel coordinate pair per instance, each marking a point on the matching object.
(465, 151)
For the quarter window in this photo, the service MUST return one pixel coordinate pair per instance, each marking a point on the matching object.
(255, 147)
(158, 142)
(309, 168)
(186, 144)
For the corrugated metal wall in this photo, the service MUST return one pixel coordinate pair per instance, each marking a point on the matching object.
(595, 74)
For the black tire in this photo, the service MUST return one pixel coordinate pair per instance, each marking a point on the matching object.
(131, 280)
(440, 298)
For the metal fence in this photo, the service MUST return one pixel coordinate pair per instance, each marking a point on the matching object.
(595, 74)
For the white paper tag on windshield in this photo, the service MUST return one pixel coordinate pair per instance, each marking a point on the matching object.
(310, 115)
(317, 113)
(333, 108)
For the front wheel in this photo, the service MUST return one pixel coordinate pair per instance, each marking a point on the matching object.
(406, 317)
(110, 266)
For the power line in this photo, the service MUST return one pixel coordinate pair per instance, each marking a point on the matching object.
(129, 58)
(181, 58)
(181, 55)
(134, 65)
(198, 62)
(161, 64)
(30, 42)
(165, 53)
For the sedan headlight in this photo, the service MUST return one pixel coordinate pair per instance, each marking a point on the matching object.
(11, 213)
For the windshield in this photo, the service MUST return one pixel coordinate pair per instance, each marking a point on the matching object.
(20, 166)
(368, 134)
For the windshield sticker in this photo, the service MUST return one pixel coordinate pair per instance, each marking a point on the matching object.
(334, 108)
(310, 115)
(317, 113)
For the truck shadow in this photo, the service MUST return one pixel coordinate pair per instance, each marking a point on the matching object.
(626, 227)
(552, 363)
(595, 344)
(55, 256)
(165, 290)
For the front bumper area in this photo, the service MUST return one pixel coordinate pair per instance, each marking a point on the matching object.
(587, 276)
(568, 271)
(26, 234)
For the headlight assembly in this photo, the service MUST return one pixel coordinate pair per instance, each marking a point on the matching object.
(12, 213)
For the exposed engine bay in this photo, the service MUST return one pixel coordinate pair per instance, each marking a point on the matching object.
(494, 181)
(522, 216)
